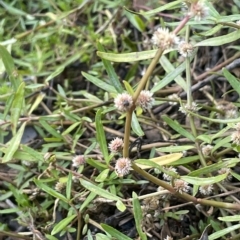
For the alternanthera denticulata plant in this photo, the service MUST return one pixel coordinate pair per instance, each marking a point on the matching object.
(179, 37)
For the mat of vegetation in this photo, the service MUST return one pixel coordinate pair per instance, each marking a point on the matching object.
(119, 119)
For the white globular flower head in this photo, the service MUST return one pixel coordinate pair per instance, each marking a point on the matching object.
(60, 186)
(181, 186)
(193, 108)
(229, 110)
(198, 10)
(185, 49)
(175, 97)
(123, 102)
(206, 189)
(237, 126)
(168, 177)
(168, 238)
(122, 166)
(235, 137)
(78, 161)
(206, 150)
(164, 39)
(145, 100)
(116, 145)
(225, 171)
(238, 22)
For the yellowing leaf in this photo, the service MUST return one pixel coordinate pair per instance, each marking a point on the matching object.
(163, 160)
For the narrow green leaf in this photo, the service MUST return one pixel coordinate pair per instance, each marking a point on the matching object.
(136, 127)
(136, 21)
(232, 80)
(102, 176)
(205, 138)
(55, 73)
(120, 206)
(101, 192)
(114, 232)
(138, 216)
(222, 143)
(36, 103)
(214, 167)
(69, 186)
(9, 210)
(223, 232)
(13, 144)
(178, 128)
(101, 135)
(171, 75)
(9, 66)
(50, 191)
(50, 129)
(218, 41)
(111, 72)
(169, 68)
(235, 218)
(173, 149)
(204, 181)
(88, 200)
(8, 106)
(99, 83)
(17, 105)
(62, 224)
(36, 156)
(159, 9)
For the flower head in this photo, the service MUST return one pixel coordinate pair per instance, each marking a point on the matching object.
(193, 108)
(206, 189)
(235, 137)
(185, 49)
(206, 150)
(229, 110)
(145, 100)
(238, 22)
(168, 177)
(237, 126)
(174, 96)
(123, 102)
(116, 145)
(225, 171)
(164, 39)
(60, 186)
(78, 160)
(168, 238)
(122, 166)
(181, 186)
(197, 9)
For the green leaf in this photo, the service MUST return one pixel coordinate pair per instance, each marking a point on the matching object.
(158, 161)
(50, 129)
(169, 68)
(136, 21)
(218, 41)
(204, 181)
(98, 190)
(102, 176)
(114, 232)
(232, 80)
(99, 83)
(120, 206)
(63, 224)
(17, 105)
(136, 126)
(13, 144)
(178, 128)
(175, 148)
(159, 9)
(205, 138)
(101, 136)
(55, 73)
(111, 72)
(138, 216)
(9, 66)
(235, 218)
(88, 200)
(36, 156)
(50, 191)
(223, 232)
(222, 143)
(214, 167)
(9, 210)
(69, 186)
(171, 76)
